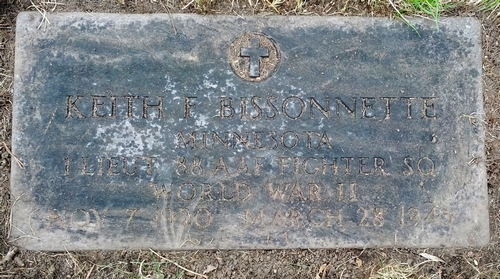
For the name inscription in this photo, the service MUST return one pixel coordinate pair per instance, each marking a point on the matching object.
(252, 107)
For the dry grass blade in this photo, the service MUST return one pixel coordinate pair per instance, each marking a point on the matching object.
(7, 79)
(140, 270)
(473, 118)
(275, 4)
(76, 264)
(431, 258)
(10, 221)
(169, 16)
(474, 267)
(9, 256)
(394, 270)
(18, 162)
(400, 15)
(42, 12)
(322, 271)
(209, 269)
(90, 272)
(178, 265)
(55, 3)
(187, 5)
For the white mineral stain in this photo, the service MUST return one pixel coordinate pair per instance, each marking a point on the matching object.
(230, 84)
(321, 125)
(201, 120)
(186, 56)
(153, 137)
(209, 84)
(283, 124)
(170, 85)
(125, 139)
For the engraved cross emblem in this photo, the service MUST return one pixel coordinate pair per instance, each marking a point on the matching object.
(254, 56)
(254, 52)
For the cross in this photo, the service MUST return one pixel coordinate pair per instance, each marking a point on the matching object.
(254, 52)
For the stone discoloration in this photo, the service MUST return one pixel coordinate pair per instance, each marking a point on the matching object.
(134, 135)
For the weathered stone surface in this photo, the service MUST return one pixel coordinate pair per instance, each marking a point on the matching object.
(203, 132)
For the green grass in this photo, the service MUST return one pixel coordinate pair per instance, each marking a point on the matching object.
(489, 5)
(179, 275)
(159, 273)
(431, 9)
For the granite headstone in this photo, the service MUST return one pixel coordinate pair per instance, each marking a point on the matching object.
(222, 132)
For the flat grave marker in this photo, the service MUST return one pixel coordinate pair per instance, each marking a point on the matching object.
(220, 132)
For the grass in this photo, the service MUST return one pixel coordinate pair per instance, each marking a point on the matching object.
(395, 269)
(274, 4)
(153, 270)
(299, 7)
(487, 5)
(179, 275)
(430, 9)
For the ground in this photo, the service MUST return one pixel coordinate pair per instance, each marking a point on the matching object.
(483, 262)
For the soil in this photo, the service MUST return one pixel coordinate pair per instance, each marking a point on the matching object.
(481, 262)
